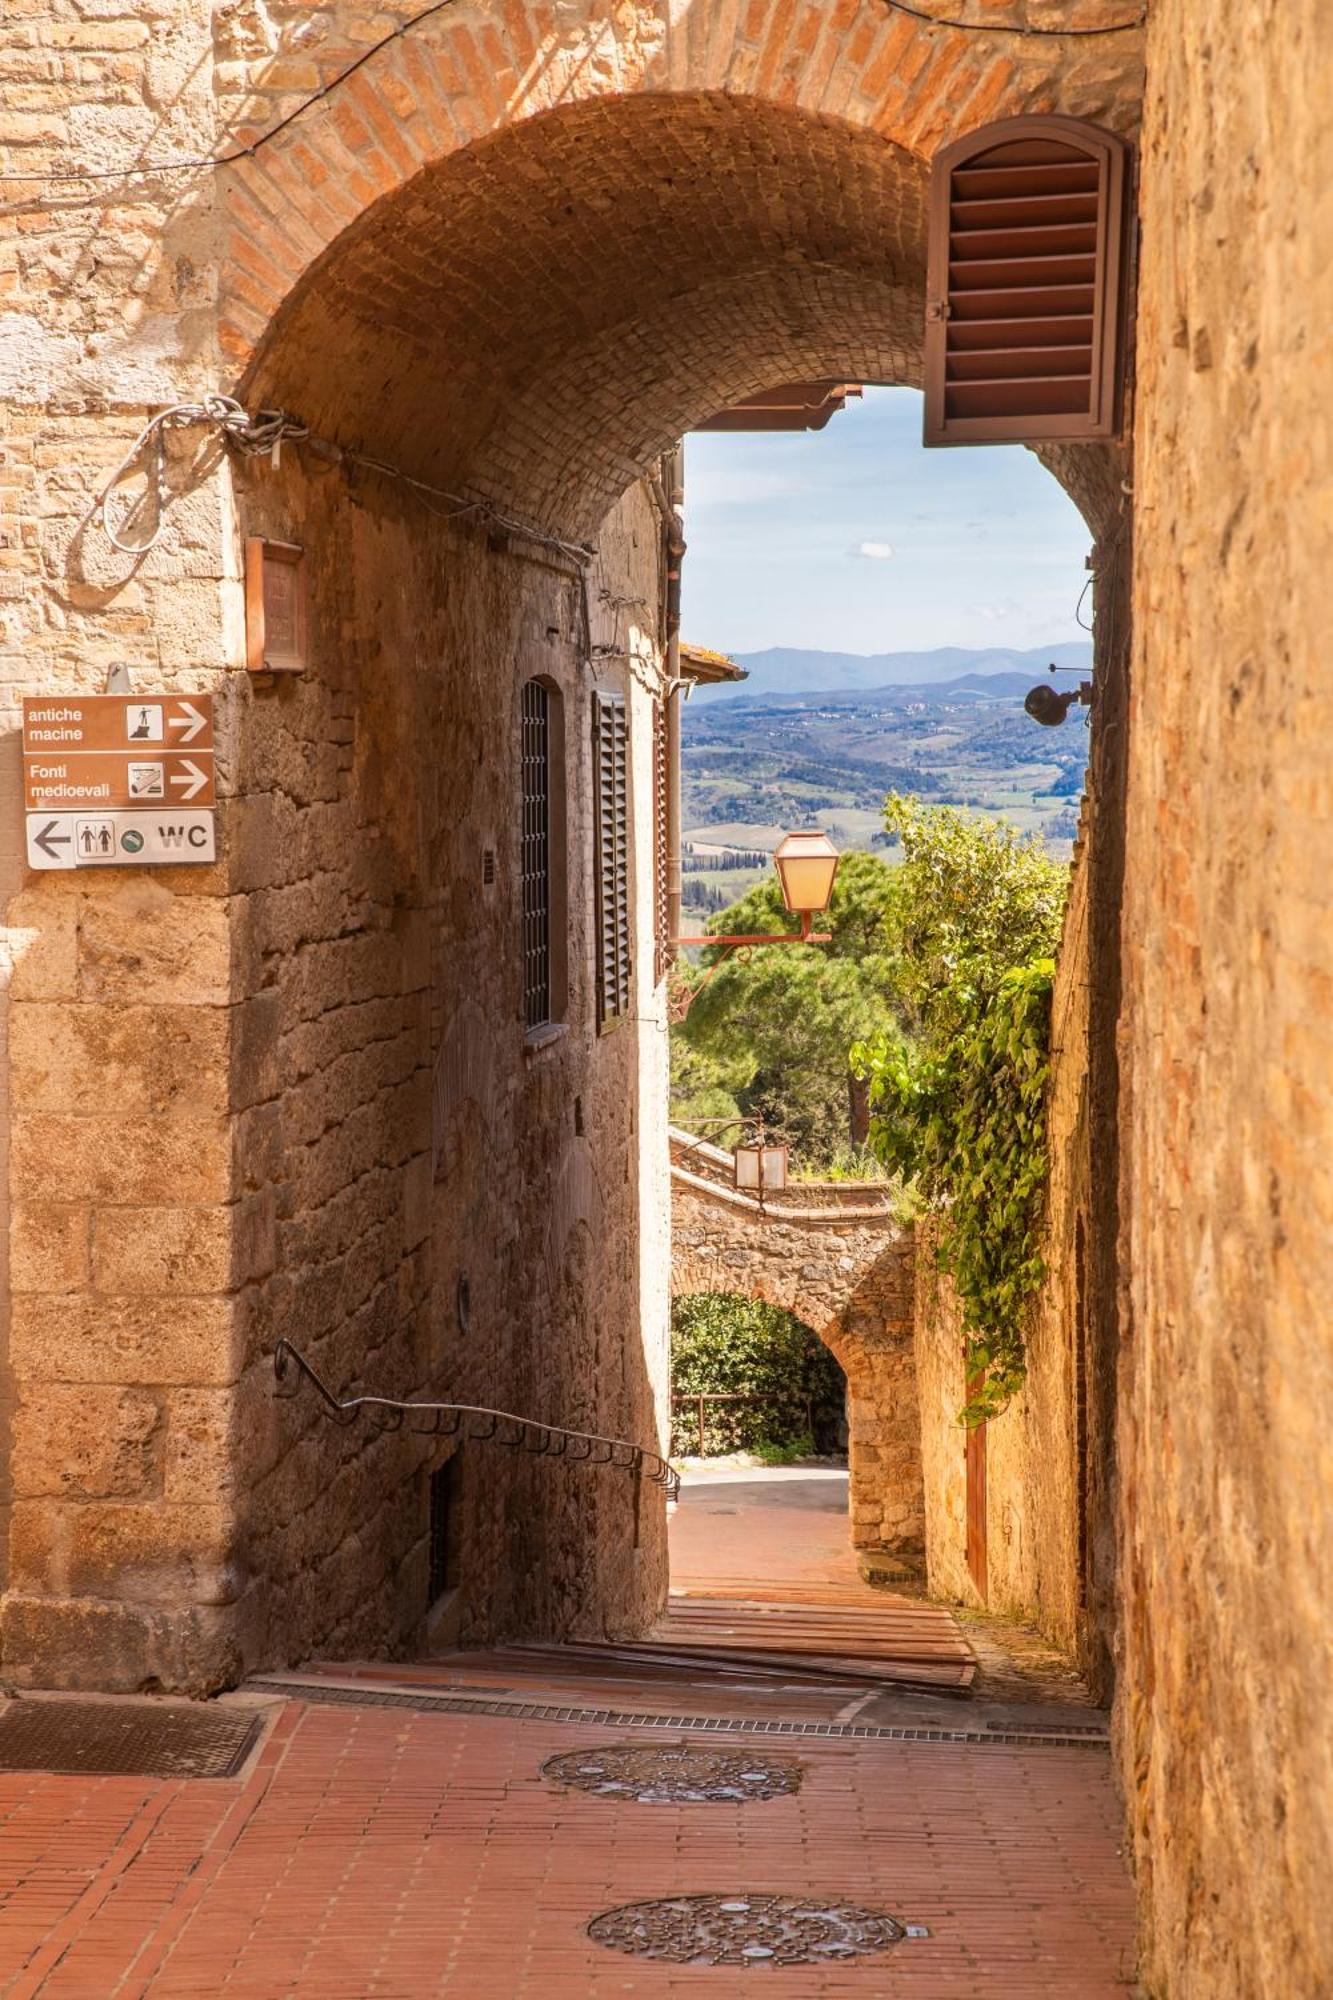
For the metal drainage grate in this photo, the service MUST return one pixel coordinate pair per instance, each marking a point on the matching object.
(135, 1739)
(674, 1774)
(746, 1930)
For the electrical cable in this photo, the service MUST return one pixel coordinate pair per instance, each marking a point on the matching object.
(193, 165)
(1008, 28)
(248, 152)
(263, 436)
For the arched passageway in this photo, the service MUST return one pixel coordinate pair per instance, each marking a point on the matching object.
(843, 1266)
(527, 321)
(516, 262)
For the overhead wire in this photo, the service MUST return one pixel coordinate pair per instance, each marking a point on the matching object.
(196, 163)
(247, 152)
(1032, 32)
(263, 435)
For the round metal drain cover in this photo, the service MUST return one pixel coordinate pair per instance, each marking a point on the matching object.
(746, 1930)
(674, 1774)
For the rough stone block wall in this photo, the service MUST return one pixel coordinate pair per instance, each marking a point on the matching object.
(409, 1144)
(844, 1268)
(1227, 1526)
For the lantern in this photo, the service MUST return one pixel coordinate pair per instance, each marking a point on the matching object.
(806, 865)
(760, 1168)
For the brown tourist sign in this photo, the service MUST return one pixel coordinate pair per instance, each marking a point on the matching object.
(118, 780)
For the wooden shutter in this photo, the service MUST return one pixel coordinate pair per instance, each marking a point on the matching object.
(535, 852)
(611, 790)
(1026, 322)
(661, 778)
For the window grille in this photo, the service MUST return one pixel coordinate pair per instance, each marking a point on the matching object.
(535, 853)
(611, 789)
(1027, 284)
(661, 924)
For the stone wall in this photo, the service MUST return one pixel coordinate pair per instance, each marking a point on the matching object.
(833, 1255)
(1227, 1526)
(451, 1208)
(290, 1096)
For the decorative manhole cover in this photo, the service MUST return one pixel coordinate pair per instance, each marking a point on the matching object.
(136, 1739)
(674, 1774)
(746, 1930)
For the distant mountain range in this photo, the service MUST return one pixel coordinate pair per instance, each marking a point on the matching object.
(792, 670)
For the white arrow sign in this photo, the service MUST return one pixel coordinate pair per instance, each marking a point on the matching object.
(193, 780)
(191, 721)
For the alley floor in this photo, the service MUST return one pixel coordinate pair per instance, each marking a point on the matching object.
(378, 1848)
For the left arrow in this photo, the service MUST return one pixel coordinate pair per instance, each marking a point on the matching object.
(48, 839)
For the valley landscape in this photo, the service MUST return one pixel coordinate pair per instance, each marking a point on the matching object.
(819, 738)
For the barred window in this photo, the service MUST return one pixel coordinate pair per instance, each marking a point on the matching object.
(611, 798)
(542, 854)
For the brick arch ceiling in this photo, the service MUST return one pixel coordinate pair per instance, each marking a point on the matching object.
(539, 313)
(536, 315)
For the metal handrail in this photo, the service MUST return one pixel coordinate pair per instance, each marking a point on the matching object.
(475, 1425)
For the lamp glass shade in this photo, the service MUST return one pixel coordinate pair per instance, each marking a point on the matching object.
(806, 865)
(761, 1168)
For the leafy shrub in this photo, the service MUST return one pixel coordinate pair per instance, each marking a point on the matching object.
(722, 1343)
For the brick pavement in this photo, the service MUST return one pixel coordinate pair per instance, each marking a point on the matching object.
(377, 1854)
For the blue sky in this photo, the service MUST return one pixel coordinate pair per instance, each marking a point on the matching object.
(854, 539)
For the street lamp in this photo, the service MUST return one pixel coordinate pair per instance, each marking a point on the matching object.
(759, 1167)
(807, 864)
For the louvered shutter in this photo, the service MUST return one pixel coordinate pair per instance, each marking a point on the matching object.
(1026, 320)
(661, 925)
(611, 781)
(535, 852)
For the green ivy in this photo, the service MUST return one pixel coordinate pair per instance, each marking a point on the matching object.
(964, 1117)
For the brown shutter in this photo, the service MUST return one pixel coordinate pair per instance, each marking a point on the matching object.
(1026, 321)
(535, 852)
(661, 925)
(611, 796)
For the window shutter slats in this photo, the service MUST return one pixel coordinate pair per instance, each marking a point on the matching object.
(535, 852)
(611, 800)
(661, 779)
(1025, 326)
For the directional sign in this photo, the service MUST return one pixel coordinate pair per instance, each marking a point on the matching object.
(117, 779)
(117, 839)
(70, 724)
(114, 779)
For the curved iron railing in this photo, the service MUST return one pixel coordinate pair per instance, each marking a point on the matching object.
(475, 1425)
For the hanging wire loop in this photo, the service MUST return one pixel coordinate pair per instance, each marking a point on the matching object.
(476, 1425)
(263, 435)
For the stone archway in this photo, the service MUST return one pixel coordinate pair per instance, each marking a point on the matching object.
(834, 1257)
(514, 254)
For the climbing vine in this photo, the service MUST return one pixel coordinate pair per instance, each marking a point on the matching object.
(957, 1087)
(968, 1125)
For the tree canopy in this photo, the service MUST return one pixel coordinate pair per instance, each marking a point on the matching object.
(768, 1035)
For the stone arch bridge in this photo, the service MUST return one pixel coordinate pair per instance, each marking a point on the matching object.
(832, 1254)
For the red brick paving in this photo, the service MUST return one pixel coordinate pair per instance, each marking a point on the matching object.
(377, 1854)
(381, 1854)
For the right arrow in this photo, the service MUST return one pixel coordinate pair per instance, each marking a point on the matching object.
(48, 839)
(194, 781)
(191, 720)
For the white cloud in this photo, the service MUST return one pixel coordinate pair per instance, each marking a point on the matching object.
(873, 551)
